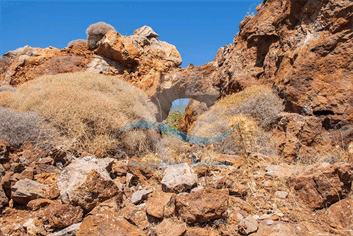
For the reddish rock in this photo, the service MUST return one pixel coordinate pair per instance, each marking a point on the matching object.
(40, 203)
(4, 150)
(322, 184)
(60, 215)
(341, 214)
(248, 225)
(194, 109)
(136, 215)
(202, 206)
(288, 229)
(94, 191)
(107, 223)
(197, 231)
(170, 226)
(235, 188)
(160, 204)
(3, 199)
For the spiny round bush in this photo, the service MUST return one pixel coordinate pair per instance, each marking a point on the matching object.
(96, 32)
(88, 109)
(77, 42)
(256, 108)
(259, 102)
(17, 127)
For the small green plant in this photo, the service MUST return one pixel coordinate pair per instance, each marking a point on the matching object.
(173, 119)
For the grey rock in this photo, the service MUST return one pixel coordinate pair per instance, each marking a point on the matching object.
(139, 196)
(26, 190)
(75, 174)
(146, 31)
(68, 231)
(179, 178)
(281, 194)
(3, 199)
(248, 225)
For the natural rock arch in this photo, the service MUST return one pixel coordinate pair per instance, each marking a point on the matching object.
(195, 83)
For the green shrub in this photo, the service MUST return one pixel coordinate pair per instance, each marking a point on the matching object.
(173, 119)
(96, 32)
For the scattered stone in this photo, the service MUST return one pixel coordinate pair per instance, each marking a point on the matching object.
(94, 191)
(130, 179)
(160, 204)
(39, 203)
(179, 178)
(207, 231)
(76, 173)
(202, 206)
(170, 226)
(139, 196)
(26, 190)
(341, 214)
(283, 171)
(107, 223)
(68, 231)
(248, 225)
(322, 184)
(136, 215)
(3, 199)
(281, 194)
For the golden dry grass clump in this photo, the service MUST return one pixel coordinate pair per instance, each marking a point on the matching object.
(88, 109)
(256, 107)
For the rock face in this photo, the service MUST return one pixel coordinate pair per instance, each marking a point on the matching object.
(248, 225)
(170, 226)
(26, 190)
(202, 206)
(179, 178)
(341, 214)
(322, 184)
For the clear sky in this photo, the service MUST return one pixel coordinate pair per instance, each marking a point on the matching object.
(197, 28)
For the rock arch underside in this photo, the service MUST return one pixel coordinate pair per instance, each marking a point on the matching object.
(301, 49)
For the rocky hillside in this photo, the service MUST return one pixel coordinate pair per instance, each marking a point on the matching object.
(287, 169)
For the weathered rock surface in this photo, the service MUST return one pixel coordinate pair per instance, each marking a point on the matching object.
(68, 231)
(196, 231)
(3, 199)
(202, 206)
(76, 174)
(26, 190)
(146, 31)
(179, 178)
(160, 204)
(248, 225)
(170, 226)
(341, 214)
(136, 215)
(107, 224)
(322, 184)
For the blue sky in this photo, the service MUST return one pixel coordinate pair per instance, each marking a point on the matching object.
(197, 28)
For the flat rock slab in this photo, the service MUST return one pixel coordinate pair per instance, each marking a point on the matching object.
(139, 196)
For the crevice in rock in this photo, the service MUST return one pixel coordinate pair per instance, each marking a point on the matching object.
(323, 113)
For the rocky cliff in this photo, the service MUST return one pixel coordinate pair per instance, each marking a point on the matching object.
(301, 50)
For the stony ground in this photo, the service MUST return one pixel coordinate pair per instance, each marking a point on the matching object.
(54, 193)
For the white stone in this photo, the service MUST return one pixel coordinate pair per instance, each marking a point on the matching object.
(179, 178)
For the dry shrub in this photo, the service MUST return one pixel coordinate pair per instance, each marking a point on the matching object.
(16, 128)
(260, 102)
(77, 42)
(88, 109)
(7, 88)
(96, 32)
(253, 111)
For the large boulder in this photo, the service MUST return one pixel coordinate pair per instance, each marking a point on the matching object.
(160, 204)
(320, 185)
(86, 183)
(341, 214)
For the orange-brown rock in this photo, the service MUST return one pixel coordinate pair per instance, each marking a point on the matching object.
(194, 109)
(136, 215)
(322, 184)
(160, 204)
(3, 199)
(107, 223)
(94, 191)
(203, 205)
(287, 229)
(341, 214)
(197, 231)
(170, 226)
